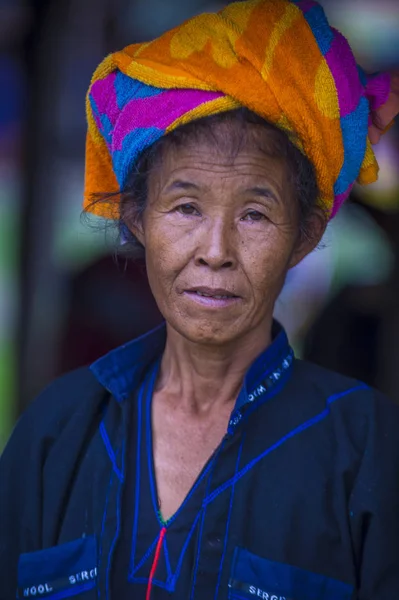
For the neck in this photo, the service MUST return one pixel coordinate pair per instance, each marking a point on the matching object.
(204, 377)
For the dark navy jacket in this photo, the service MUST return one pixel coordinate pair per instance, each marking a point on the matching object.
(299, 502)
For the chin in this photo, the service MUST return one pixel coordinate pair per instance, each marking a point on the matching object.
(207, 332)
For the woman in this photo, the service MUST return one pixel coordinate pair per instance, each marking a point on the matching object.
(202, 460)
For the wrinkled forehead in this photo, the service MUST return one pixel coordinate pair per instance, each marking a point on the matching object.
(225, 142)
(232, 153)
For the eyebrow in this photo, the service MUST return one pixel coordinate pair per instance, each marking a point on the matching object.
(179, 184)
(265, 192)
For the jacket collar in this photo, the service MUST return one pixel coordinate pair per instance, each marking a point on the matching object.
(121, 370)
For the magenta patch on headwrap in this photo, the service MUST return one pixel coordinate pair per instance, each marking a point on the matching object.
(104, 93)
(306, 5)
(343, 67)
(377, 89)
(340, 199)
(158, 111)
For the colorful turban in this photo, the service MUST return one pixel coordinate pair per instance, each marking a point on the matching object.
(279, 58)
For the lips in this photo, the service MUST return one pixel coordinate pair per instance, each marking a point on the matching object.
(212, 298)
(217, 293)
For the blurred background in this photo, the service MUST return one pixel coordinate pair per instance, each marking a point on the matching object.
(65, 300)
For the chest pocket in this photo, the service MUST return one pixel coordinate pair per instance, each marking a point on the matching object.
(60, 572)
(255, 577)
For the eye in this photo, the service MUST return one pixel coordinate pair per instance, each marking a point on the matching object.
(253, 215)
(187, 209)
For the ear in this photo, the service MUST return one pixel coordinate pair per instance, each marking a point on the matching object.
(136, 226)
(307, 241)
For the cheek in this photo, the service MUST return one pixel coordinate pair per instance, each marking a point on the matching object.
(266, 262)
(166, 255)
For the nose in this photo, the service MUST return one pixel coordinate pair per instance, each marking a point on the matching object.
(216, 247)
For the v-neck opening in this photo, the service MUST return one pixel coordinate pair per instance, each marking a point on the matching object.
(151, 462)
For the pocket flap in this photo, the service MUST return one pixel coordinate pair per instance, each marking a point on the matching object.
(70, 568)
(256, 577)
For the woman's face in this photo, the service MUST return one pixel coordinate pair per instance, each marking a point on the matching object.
(220, 233)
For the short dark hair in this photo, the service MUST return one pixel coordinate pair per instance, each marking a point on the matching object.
(133, 198)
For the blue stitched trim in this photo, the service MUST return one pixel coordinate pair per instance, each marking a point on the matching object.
(203, 511)
(247, 409)
(271, 378)
(151, 473)
(138, 475)
(361, 386)
(271, 383)
(228, 520)
(118, 523)
(80, 589)
(197, 558)
(303, 427)
(100, 554)
(183, 552)
(253, 406)
(156, 582)
(145, 557)
(167, 559)
(278, 364)
(170, 583)
(110, 450)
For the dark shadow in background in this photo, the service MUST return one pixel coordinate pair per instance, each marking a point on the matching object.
(109, 304)
(357, 332)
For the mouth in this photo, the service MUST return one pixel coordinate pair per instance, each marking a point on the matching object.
(212, 297)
